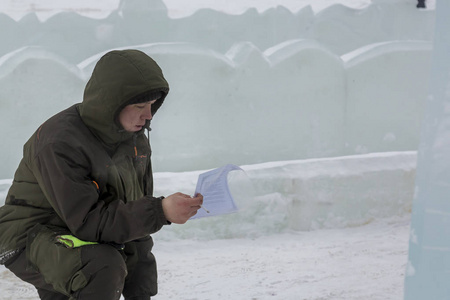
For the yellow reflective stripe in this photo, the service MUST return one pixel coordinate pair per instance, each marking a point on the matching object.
(71, 241)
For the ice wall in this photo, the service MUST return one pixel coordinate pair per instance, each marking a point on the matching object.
(245, 88)
(428, 270)
(386, 90)
(302, 195)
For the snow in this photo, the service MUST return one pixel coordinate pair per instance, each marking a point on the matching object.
(366, 262)
(321, 228)
(356, 263)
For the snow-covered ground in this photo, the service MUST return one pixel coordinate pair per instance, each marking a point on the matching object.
(365, 262)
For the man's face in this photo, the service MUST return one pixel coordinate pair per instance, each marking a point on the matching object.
(133, 116)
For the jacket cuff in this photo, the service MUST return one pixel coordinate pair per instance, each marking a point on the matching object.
(160, 212)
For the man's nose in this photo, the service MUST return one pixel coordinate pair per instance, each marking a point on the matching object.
(147, 113)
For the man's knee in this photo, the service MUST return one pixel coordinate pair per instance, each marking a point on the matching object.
(103, 272)
(103, 259)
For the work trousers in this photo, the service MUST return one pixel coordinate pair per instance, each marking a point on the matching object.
(89, 272)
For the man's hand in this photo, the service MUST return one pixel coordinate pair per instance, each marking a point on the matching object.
(178, 207)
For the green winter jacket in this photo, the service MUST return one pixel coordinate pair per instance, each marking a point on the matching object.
(81, 173)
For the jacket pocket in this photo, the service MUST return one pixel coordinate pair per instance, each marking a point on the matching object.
(59, 265)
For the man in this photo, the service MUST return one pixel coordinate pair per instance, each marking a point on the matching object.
(78, 217)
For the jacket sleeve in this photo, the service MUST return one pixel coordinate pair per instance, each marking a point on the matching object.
(63, 174)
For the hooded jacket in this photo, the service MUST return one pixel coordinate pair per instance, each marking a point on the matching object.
(81, 172)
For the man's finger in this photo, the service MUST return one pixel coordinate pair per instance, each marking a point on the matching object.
(196, 202)
(184, 195)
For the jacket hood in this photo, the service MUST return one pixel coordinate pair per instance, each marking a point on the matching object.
(118, 78)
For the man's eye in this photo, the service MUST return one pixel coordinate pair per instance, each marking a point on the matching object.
(140, 106)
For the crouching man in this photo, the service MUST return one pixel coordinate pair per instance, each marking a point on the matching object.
(77, 220)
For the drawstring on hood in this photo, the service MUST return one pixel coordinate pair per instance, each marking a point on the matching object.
(120, 78)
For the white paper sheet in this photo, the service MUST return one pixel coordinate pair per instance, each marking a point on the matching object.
(217, 199)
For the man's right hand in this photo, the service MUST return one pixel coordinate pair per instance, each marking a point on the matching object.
(179, 207)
